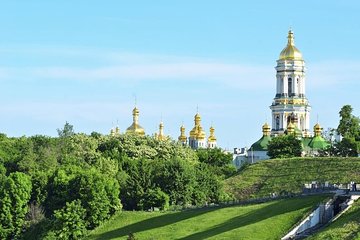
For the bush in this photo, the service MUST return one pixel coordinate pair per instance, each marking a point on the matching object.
(69, 221)
(154, 198)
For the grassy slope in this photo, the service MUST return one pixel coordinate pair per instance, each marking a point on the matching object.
(269, 220)
(276, 175)
(346, 227)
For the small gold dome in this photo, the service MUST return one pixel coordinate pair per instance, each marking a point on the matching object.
(266, 129)
(182, 138)
(290, 52)
(135, 128)
(317, 129)
(212, 137)
(291, 128)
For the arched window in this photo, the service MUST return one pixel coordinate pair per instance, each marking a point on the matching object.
(277, 122)
(289, 86)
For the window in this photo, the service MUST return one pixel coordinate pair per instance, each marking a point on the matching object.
(289, 86)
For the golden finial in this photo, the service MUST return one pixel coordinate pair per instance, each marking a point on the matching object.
(291, 38)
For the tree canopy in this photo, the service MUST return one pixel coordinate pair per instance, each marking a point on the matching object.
(284, 146)
(75, 181)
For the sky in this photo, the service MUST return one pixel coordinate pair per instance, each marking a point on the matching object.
(85, 62)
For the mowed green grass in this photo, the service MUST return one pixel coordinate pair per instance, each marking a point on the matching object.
(289, 175)
(269, 220)
(346, 227)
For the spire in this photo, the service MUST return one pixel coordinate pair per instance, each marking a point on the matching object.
(136, 115)
(161, 135)
(291, 38)
(117, 129)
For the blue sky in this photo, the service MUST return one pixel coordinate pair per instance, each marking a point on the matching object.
(84, 61)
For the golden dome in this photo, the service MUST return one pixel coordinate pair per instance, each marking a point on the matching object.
(212, 137)
(135, 128)
(161, 135)
(197, 132)
(200, 133)
(291, 128)
(182, 138)
(290, 52)
(266, 129)
(317, 129)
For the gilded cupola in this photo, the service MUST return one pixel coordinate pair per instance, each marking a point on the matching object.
(197, 132)
(290, 52)
(160, 136)
(317, 130)
(182, 138)
(266, 130)
(212, 137)
(135, 128)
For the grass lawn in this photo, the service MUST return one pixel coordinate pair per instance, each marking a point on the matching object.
(346, 227)
(261, 179)
(269, 220)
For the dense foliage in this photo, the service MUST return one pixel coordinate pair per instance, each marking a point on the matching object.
(285, 146)
(349, 129)
(60, 187)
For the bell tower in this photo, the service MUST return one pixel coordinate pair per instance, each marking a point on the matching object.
(290, 101)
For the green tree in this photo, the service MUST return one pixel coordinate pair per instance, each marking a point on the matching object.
(218, 160)
(154, 198)
(176, 177)
(15, 193)
(349, 126)
(138, 178)
(285, 146)
(69, 221)
(67, 131)
(348, 147)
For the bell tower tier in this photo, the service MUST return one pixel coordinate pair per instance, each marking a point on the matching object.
(290, 103)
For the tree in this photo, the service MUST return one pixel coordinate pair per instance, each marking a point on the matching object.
(176, 177)
(220, 162)
(349, 126)
(285, 146)
(15, 193)
(154, 198)
(67, 131)
(69, 221)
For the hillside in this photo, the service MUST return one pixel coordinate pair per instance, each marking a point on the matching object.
(346, 227)
(269, 220)
(289, 175)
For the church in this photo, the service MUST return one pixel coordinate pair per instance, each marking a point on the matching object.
(197, 136)
(290, 109)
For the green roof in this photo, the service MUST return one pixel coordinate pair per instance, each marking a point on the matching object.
(305, 142)
(261, 144)
(318, 142)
